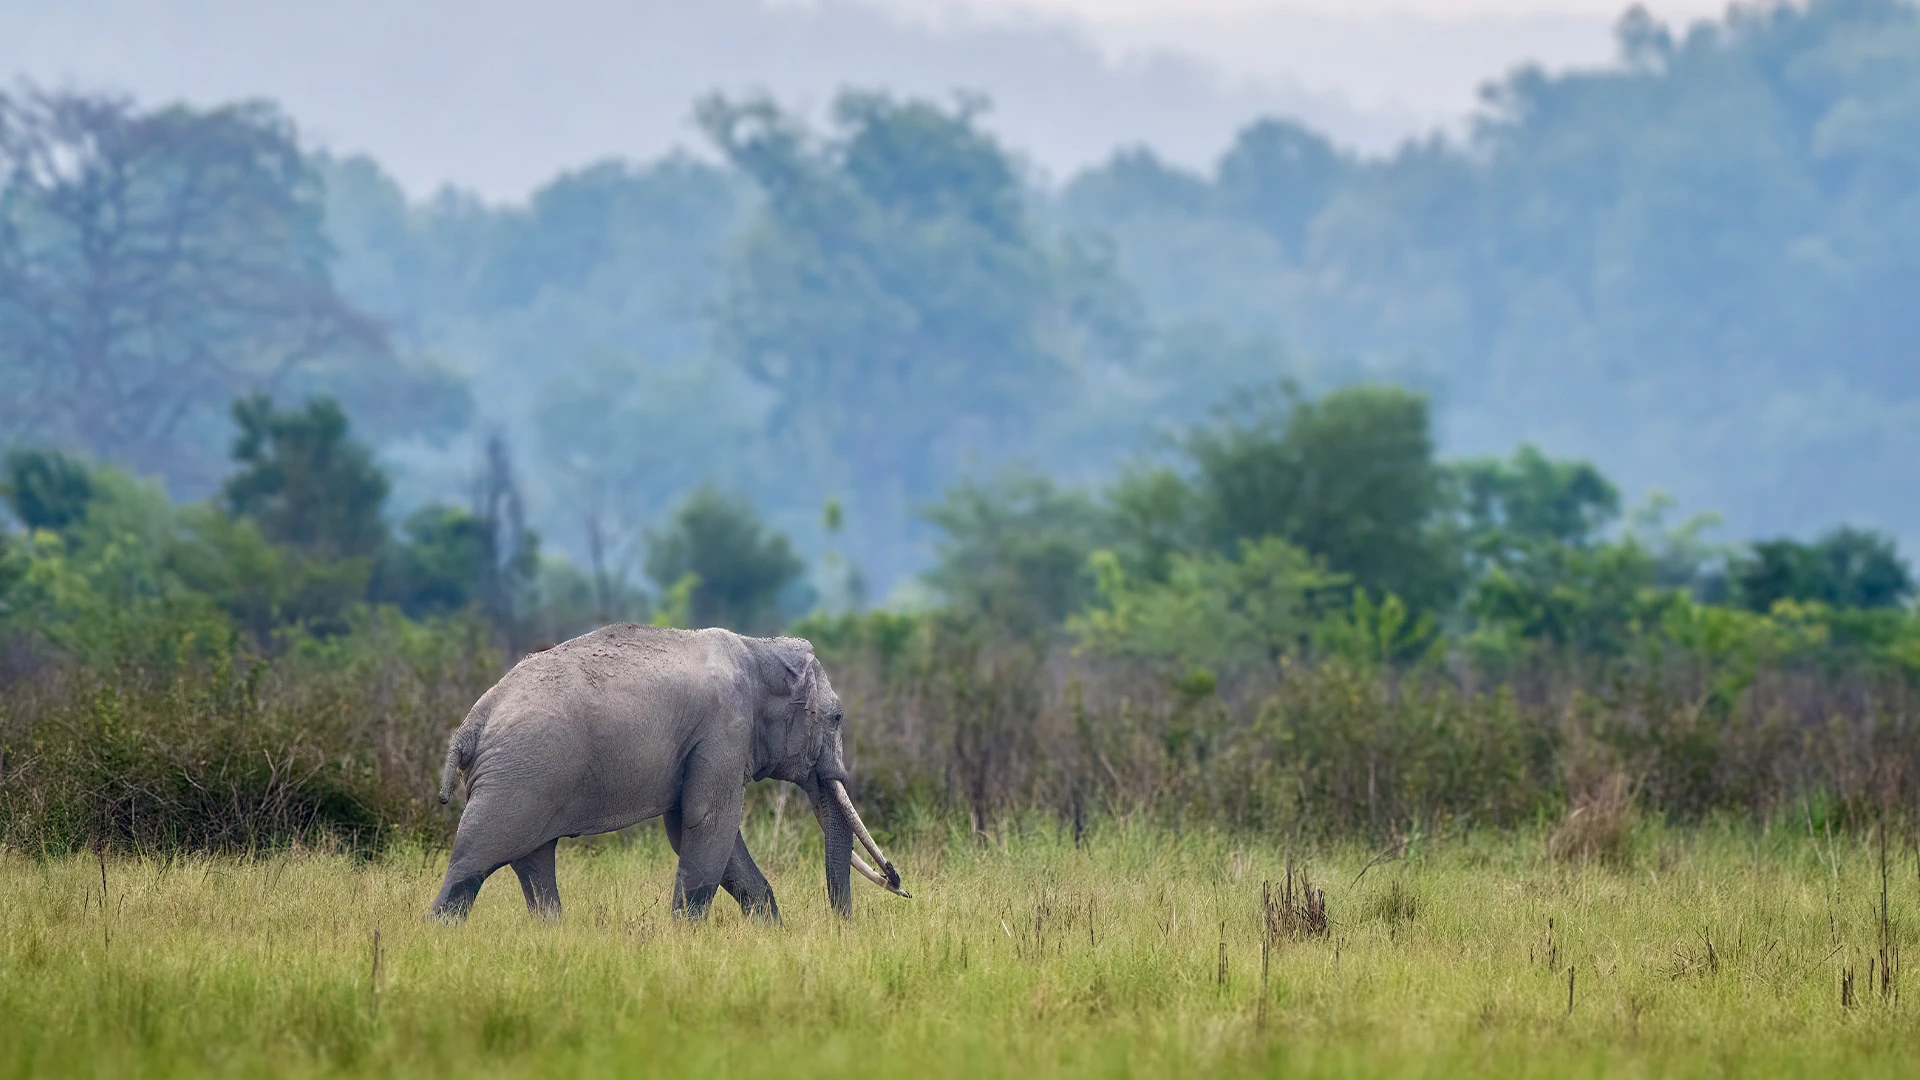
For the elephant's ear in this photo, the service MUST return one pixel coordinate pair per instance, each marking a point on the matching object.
(802, 672)
(806, 685)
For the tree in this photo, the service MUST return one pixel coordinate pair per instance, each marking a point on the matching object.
(439, 565)
(735, 568)
(1723, 225)
(1846, 568)
(894, 295)
(1533, 498)
(1213, 612)
(1589, 600)
(618, 434)
(1015, 551)
(45, 489)
(509, 550)
(1279, 175)
(155, 264)
(305, 482)
(1350, 478)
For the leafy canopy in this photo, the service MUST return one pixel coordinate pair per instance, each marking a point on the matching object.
(1846, 568)
(304, 481)
(45, 489)
(1015, 551)
(728, 568)
(1213, 611)
(153, 264)
(1349, 477)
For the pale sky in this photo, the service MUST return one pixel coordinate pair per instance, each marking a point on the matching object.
(1395, 54)
(1155, 9)
(497, 96)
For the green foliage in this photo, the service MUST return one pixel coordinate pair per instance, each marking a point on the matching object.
(1589, 601)
(729, 566)
(1532, 499)
(617, 439)
(1155, 514)
(1695, 257)
(104, 592)
(262, 586)
(884, 635)
(438, 567)
(1014, 551)
(1717, 226)
(304, 481)
(1349, 477)
(1212, 611)
(297, 547)
(329, 744)
(1360, 757)
(1846, 568)
(1375, 637)
(45, 489)
(676, 602)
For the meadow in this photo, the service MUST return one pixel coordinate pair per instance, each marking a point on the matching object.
(1723, 949)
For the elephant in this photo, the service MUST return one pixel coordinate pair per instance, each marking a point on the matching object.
(629, 723)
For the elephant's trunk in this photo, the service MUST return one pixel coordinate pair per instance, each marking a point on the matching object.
(839, 837)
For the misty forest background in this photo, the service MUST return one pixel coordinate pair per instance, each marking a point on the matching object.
(1394, 425)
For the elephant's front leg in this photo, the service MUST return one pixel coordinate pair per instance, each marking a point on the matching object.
(748, 885)
(743, 877)
(709, 823)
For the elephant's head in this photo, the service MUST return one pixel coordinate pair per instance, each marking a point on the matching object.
(801, 743)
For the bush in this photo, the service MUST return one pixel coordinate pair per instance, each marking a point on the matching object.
(953, 719)
(335, 743)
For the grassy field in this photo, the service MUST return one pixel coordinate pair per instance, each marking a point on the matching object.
(1713, 952)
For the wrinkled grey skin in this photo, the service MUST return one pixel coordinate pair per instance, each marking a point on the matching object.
(633, 722)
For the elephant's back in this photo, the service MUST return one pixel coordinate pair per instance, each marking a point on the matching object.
(614, 665)
(602, 721)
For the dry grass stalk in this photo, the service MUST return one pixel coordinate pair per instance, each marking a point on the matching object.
(1266, 951)
(1889, 958)
(1548, 952)
(1220, 977)
(1293, 914)
(1599, 823)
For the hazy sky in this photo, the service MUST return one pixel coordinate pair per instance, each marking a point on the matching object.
(1114, 10)
(1415, 57)
(498, 95)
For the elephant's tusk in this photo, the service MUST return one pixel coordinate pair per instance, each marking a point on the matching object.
(873, 875)
(866, 838)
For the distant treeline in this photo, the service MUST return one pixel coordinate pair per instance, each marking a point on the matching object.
(1691, 267)
(1296, 618)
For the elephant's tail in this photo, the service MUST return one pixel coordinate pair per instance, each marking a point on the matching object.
(459, 756)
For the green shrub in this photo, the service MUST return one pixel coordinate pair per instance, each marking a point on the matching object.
(333, 743)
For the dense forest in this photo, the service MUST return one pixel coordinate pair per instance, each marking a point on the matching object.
(1688, 268)
(1314, 476)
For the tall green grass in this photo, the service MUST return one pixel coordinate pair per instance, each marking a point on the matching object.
(1719, 950)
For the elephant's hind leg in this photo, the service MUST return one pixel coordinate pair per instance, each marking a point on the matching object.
(537, 880)
(744, 881)
(458, 891)
(487, 840)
